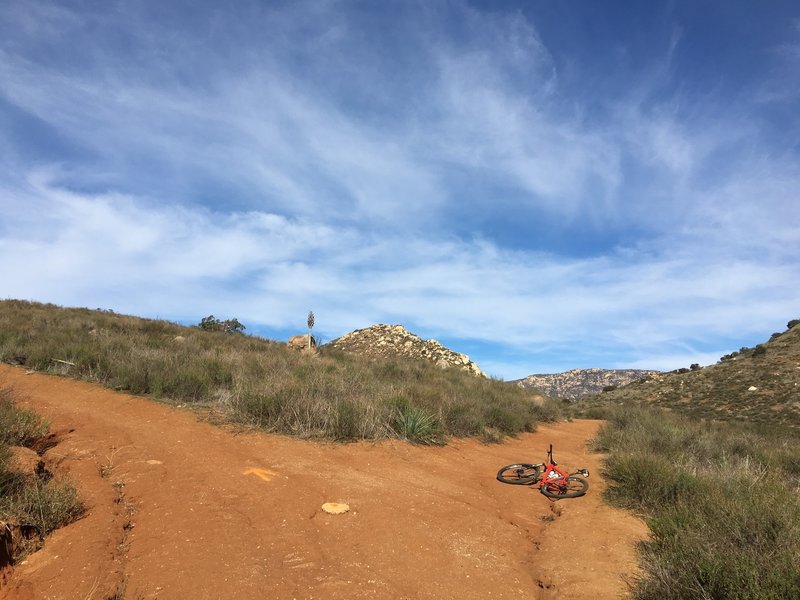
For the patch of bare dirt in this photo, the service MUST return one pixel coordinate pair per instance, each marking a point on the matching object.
(178, 508)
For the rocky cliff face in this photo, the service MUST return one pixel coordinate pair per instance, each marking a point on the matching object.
(582, 382)
(389, 341)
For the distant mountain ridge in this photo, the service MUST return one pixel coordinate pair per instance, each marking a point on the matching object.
(578, 383)
(390, 341)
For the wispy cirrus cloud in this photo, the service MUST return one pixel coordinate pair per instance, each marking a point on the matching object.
(133, 256)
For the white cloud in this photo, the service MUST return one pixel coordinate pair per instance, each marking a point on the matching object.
(177, 261)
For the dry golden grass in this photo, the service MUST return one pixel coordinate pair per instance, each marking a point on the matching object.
(721, 499)
(29, 500)
(262, 383)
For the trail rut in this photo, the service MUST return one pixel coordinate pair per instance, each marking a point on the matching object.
(179, 508)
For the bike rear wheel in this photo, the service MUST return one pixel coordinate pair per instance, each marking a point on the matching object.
(571, 487)
(520, 474)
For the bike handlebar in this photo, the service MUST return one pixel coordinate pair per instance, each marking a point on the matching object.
(550, 455)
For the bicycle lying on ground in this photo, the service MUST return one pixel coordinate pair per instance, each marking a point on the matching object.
(553, 482)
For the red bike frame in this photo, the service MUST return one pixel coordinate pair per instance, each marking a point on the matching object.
(552, 475)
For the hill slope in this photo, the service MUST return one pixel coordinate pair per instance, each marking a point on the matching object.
(335, 395)
(578, 383)
(760, 384)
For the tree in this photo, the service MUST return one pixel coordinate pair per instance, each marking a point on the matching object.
(211, 323)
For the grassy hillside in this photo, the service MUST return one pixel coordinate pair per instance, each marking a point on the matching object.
(758, 385)
(722, 501)
(262, 383)
(714, 467)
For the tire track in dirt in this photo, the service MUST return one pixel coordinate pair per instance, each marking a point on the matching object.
(196, 521)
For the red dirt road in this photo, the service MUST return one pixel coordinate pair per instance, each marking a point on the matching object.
(179, 508)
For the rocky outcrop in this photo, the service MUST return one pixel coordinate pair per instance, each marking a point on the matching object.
(390, 341)
(582, 382)
(301, 342)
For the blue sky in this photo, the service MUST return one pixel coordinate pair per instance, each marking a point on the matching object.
(541, 185)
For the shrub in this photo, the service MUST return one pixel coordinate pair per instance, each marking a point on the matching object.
(45, 505)
(210, 323)
(463, 420)
(347, 421)
(18, 427)
(505, 420)
(28, 500)
(416, 425)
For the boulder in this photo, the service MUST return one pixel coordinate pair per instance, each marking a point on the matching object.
(300, 342)
(24, 461)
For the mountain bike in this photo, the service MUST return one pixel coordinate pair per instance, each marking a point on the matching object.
(553, 482)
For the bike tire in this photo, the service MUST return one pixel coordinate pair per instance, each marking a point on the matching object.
(574, 487)
(520, 474)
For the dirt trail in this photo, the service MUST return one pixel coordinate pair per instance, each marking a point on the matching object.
(181, 509)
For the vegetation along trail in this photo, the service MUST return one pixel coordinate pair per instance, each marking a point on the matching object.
(178, 508)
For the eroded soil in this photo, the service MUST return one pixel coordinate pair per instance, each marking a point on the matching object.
(179, 508)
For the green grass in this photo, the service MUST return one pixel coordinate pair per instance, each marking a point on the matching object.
(722, 502)
(262, 383)
(18, 427)
(28, 501)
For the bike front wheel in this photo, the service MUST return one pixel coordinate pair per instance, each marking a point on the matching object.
(571, 487)
(520, 474)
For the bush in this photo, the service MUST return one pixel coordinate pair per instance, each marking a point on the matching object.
(347, 421)
(645, 481)
(210, 323)
(505, 420)
(28, 500)
(18, 427)
(416, 425)
(45, 505)
(463, 420)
